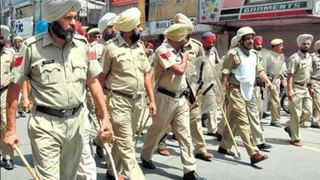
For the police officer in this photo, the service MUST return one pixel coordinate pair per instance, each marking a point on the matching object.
(238, 76)
(105, 26)
(209, 105)
(6, 58)
(126, 77)
(170, 66)
(276, 67)
(299, 69)
(59, 66)
(93, 36)
(260, 91)
(315, 81)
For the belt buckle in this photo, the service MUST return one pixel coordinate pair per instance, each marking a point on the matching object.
(135, 96)
(67, 112)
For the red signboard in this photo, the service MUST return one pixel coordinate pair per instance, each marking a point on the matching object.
(123, 2)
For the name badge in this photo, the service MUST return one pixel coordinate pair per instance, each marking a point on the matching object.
(48, 61)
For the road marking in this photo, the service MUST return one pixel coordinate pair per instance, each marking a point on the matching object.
(311, 148)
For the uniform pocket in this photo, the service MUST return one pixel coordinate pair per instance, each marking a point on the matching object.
(124, 63)
(79, 70)
(50, 73)
(303, 65)
(142, 61)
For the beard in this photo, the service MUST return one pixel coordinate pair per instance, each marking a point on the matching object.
(65, 34)
(106, 36)
(304, 50)
(258, 48)
(207, 48)
(135, 37)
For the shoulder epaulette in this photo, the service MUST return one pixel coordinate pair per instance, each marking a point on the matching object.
(196, 42)
(81, 38)
(33, 39)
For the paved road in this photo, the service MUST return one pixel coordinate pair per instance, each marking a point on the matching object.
(285, 162)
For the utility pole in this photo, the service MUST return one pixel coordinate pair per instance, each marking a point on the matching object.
(13, 18)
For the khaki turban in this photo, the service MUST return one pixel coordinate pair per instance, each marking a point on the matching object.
(127, 20)
(55, 9)
(106, 20)
(177, 32)
(5, 32)
(303, 38)
(183, 19)
(276, 42)
(317, 45)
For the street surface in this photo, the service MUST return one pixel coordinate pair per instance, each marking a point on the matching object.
(285, 162)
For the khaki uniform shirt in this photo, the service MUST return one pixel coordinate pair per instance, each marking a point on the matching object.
(57, 74)
(6, 58)
(232, 61)
(97, 48)
(195, 50)
(300, 67)
(165, 57)
(124, 66)
(209, 69)
(214, 56)
(315, 66)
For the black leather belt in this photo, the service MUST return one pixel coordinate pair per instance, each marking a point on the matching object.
(172, 94)
(58, 112)
(130, 96)
(2, 88)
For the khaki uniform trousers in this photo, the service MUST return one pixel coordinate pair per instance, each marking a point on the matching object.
(5, 151)
(260, 101)
(300, 110)
(197, 137)
(222, 123)
(174, 112)
(275, 102)
(255, 121)
(57, 144)
(196, 129)
(87, 167)
(92, 111)
(239, 122)
(124, 122)
(316, 110)
(209, 106)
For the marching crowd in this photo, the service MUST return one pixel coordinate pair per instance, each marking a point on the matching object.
(106, 79)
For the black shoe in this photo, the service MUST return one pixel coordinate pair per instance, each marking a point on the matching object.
(1, 162)
(99, 151)
(276, 125)
(226, 152)
(212, 134)
(193, 176)
(265, 114)
(264, 146)
(147, 164)
(219, 137)
(287, 129)
(7, 164)
(110, 176)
